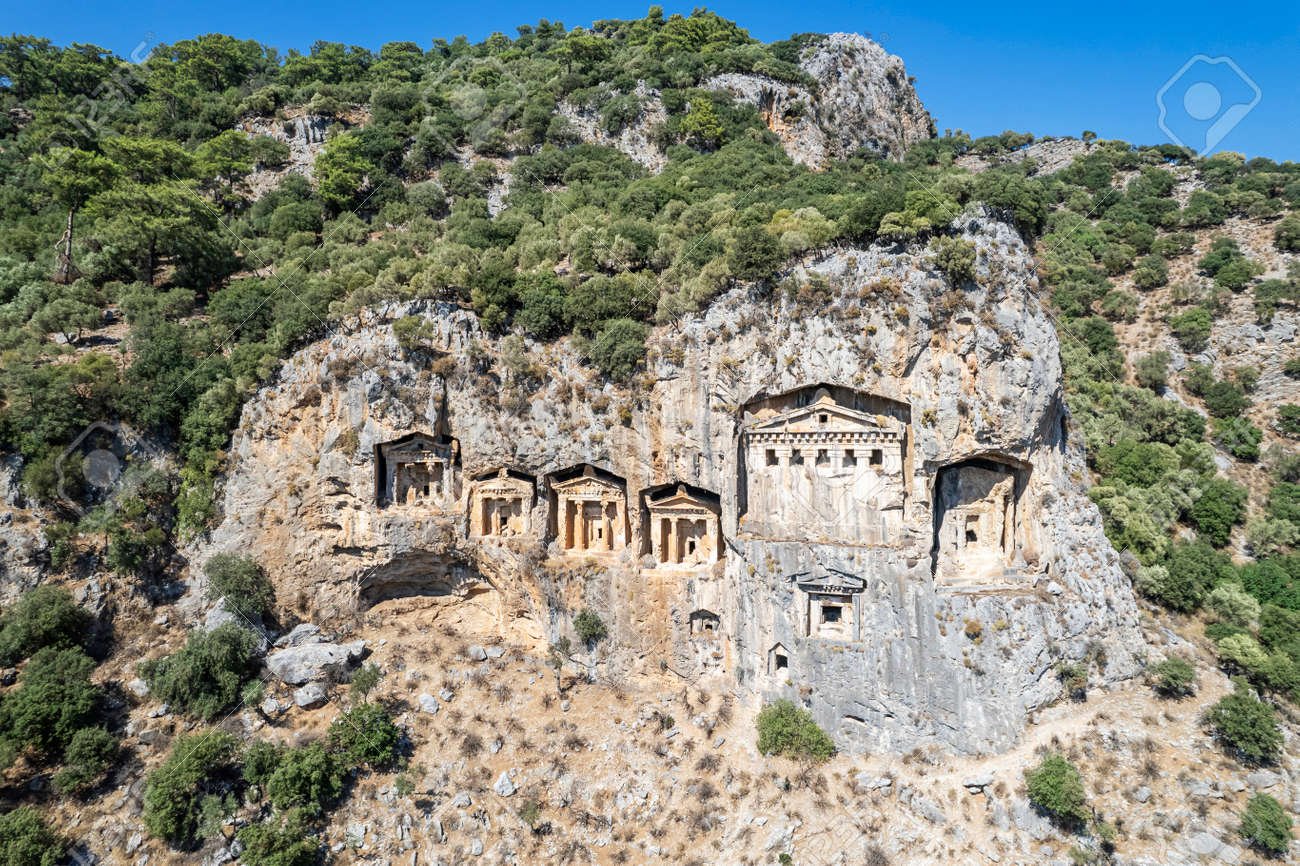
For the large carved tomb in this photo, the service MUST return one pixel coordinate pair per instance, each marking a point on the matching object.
(591, 513)
(825, 472)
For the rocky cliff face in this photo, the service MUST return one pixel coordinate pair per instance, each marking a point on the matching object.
(856, 620)
(864, 100)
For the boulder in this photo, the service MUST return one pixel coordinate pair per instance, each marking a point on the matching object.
(303, 633)
(504, 787)
(311, 696)
(296, 665)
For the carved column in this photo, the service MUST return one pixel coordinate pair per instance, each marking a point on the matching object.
(620, 519)
(675, 541)
(562, 505)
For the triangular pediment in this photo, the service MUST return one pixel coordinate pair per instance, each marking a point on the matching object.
(681, 499)
(830, 581)
(587, 484)
(823, 415)
(416, 444)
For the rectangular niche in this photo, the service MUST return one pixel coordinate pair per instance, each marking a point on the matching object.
(418, 470)
(979, 525)
(829, 605)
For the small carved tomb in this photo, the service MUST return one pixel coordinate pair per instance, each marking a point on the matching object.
(591, 512)
(501, 506)
(778, 659)
(704, 624)
(684, 529)
(418, 470)
(829, 604)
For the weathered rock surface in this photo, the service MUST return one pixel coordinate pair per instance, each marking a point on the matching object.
(864, 100)
(972, 373)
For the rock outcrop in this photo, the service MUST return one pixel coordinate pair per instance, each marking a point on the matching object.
(864, 99)
(368, 476)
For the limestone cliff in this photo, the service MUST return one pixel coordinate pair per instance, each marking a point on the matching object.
(968, 380)
(864, 99)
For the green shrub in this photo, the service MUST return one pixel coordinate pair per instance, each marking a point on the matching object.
(619, 348)
(308, 778)
(1221, 506)
(1056, 787)
(278, 841)
(365, 735)
(205, 676)
(54, 699)
(260, 760)
(1152, 371)
(1231, 603)
(1192, 328)
(784, 729)
(1223, 399)
(1284, 502)
(1287, 235)
(755, 254)
(954, 258)
(1238, 437)
(1246, 726)
(88, 757)
(365, 679)
(1151, 273)
(1243, 652)
(1288, 420)
(25, 840)
(243, 584)
(187, 796)
(1191, 569)
(1173, 678)
(1265, 825)
(590, 627)
(44, 617)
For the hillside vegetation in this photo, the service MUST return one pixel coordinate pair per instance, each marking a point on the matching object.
(157, 262)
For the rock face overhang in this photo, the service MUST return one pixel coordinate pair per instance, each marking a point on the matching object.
(894, 628)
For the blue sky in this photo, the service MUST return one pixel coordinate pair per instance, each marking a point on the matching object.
(981, 67)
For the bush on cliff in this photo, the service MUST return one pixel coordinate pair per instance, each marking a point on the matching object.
(186, 798)
(204, 677)
(1056, 787)
(1246, 726)
(243, 584)
(1266, 825)
(25, 840)
(44, 617)
(784, 729)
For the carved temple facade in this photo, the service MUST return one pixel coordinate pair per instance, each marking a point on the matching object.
(978, 520)
(591, 513)
(418, 469)
(824, 472)
(684, 528)
(501, 506)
